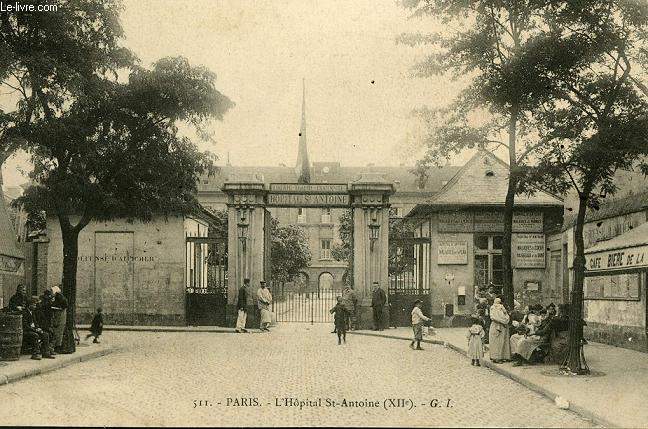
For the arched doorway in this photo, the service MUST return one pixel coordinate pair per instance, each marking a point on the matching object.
(325, 281)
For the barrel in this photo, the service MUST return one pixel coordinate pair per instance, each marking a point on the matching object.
(11, 336)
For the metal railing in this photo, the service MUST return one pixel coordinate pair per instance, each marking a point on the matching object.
(306, 306)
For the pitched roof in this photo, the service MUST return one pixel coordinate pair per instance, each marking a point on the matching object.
(331, 172)
(611, 207)
(483, 181)
(635, 237)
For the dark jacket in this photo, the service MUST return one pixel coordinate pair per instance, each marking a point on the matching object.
(97, 324)
(340, 316)
(43, 315)
(378, 298)
(60, 301)
(241, 304)
(28, 321)
(17, 300)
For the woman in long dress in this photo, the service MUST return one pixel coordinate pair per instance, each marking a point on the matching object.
(498, 335)
(264, 298)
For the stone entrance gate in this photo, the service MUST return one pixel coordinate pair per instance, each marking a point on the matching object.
(248, 232)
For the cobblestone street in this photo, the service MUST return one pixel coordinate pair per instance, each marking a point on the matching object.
(160, 379)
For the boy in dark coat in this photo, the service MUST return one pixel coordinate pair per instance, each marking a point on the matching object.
(96, 328)
(341, 317)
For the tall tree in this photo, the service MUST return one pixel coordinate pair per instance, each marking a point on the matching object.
(480, 42)
(114, 151)
(343, 250)
(290, 253)
(595, 115)
(46, 58)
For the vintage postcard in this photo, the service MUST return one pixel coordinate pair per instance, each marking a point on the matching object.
(358, 213)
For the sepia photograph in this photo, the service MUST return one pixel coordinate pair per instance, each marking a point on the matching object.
(324, 213)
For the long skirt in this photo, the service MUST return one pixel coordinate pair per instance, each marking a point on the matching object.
(58, 326)
(498, 340)
(527, 345)
(266, 316)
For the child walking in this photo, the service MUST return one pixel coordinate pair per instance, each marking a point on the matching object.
(475, 336)
(96, 327)
(417, 324)
(340, 317)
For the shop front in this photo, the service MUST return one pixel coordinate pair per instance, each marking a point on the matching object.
(465, 228)
(615, 290)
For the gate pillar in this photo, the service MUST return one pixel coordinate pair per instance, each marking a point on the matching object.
(370, 204)
(245, 241)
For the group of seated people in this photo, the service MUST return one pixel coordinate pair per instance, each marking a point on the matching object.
(537, 332)
(42, 329)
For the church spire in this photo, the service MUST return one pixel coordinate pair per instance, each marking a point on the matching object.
(302, 167)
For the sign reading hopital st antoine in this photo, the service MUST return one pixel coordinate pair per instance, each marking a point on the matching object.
(308, 195)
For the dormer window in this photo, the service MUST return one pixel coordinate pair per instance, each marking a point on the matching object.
(325, 170)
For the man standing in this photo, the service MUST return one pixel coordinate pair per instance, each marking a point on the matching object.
(264, 298)
(378, 300)
(350, 303)
(241, 306)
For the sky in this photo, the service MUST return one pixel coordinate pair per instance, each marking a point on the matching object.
(359, 88)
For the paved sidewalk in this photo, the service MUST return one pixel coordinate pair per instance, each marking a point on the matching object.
(144, 328)
(12, 371)
(614, 396)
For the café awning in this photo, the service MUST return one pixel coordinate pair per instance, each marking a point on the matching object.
(627, 251)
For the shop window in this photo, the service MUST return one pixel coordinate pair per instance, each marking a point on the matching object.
(481, 242)
(488, 261)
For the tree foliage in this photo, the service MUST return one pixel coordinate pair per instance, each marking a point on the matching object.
(480, 43)
(48, 58)
(343, 250)
(290, 252)
(594, 117)
(101, 129)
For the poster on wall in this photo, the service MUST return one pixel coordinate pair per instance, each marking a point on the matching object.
(527, 222)
(455, 221)
(529, 250)
(615, 286)
(489, 221)
(453, 252)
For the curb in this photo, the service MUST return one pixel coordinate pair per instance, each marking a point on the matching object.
(159, 329)
(503, 371)
(53, 366)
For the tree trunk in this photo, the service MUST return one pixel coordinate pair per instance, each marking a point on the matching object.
(70, 252)
(574, 362)
(507, 265)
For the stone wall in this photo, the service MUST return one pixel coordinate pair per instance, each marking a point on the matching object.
(135, 271)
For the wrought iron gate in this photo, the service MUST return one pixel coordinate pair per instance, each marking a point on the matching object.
(206, 283)
(292, 304)
(408, 277)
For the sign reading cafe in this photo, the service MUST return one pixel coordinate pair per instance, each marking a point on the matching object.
(618, 259)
